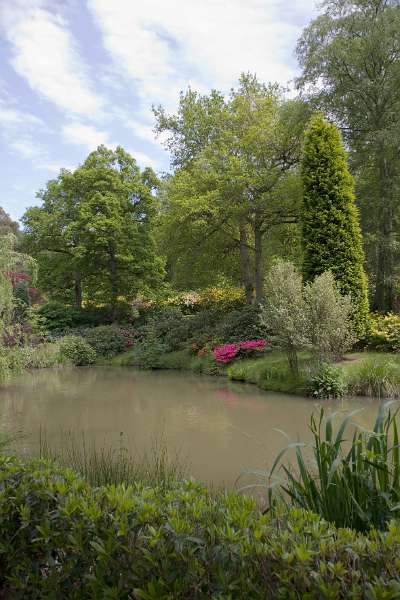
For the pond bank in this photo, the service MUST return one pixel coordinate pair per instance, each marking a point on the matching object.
(363, 373)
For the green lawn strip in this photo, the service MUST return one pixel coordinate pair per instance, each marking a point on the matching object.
(269, 372)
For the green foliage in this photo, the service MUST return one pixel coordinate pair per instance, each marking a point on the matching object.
(328, 314)
(329, 217)
(234, 157)
(377, 376)
(10, 260)
(13, 361)
(272, 373)
(357, 487)
(168, 326)
(327, 382)
(105, 464)
(55, 315)
(218, 298)
(314, 317)
(284, 311)
(63, 539)
(243, 324)
(351, 69)
(58, 317)
(149, 353)
(76, 350)
(384, 333)
(92, 235)
(106, 340)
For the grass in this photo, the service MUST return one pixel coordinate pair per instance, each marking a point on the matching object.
(105, 464)
(371, 374)
(271, 372)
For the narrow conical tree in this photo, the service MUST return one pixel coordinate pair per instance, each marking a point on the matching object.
(329, 217)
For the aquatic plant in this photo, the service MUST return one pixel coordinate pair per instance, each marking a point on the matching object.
(353, 483)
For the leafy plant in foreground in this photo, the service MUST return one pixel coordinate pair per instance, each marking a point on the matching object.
(62, 538)
(353, 485)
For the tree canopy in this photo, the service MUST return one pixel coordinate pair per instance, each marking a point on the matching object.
(350, 56)
(93, 233)
(235, 161)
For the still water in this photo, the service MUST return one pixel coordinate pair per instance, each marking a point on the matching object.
(219, 428)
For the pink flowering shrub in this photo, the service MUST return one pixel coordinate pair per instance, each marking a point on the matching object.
(252, 344)
(226, 353)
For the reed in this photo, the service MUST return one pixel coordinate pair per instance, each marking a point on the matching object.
(351, 482)
(105, 464)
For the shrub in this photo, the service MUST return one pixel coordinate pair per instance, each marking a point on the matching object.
(148, 354)
(106, 340)
(327, 382)
(130, 335)
(76, 350)
(32, 357)
(284, 310)
(222, 299)
(4, 367)
(357, 487)
(53, 316)
(328, 313)
(225, 354)
(169, 326)
(384, 333)
(242, 324)
(60, 538)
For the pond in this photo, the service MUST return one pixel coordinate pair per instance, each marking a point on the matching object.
(220, 428)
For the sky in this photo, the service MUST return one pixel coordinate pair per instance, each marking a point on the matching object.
(78, 73)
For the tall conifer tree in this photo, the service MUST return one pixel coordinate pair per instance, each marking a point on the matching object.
(329, 216)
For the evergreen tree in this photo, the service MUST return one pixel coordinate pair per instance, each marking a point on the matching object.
(329, 216)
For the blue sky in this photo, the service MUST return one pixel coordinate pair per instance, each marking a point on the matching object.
(78, 73)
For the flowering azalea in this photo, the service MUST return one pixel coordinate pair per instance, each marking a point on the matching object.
(225, 354)
(251, 344)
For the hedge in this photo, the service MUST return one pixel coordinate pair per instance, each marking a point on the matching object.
(60, 538)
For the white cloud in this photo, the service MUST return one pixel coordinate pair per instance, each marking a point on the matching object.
(25, 148)
(141, 130)
(84, 135)
(37, 155)
(14, 117)
(165, 46)
(143, 159)
(45, 54)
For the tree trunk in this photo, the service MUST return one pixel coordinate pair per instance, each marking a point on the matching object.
(258, 260)
(384, 292)
(245, 263)
(78, 289)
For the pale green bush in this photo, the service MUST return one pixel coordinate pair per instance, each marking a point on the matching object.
(284, 311)
(328, 316)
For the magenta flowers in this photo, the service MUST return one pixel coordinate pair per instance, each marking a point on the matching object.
(225, 354)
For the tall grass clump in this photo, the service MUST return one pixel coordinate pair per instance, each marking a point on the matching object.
(377, 376)
(353, 483)
(106, 464)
